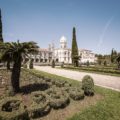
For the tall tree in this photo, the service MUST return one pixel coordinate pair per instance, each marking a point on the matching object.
(1, 38)
(15, 51)
(74, 53)
(113, 56)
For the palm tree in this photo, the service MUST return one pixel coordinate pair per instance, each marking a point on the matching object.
(15, 51)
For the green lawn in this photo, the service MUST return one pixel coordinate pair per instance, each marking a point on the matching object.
(106, 109)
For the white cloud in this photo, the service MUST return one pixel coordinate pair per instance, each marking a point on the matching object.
(101, 40)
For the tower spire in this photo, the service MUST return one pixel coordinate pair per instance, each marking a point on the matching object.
(1, 38)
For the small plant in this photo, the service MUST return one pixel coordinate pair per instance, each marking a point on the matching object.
(24, 65)
(88, 63)
(88, 85)
(62, 65)
(31, 64)
(53, 64)
(105, 63)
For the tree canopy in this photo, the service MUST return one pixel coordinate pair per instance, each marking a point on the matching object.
(15, 52)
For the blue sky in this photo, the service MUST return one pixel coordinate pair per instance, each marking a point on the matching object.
(97, 22)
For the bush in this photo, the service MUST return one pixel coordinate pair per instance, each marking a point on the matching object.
(13, 109)
(76, 93)
(62, 64)
(58, 98)
(38, 110)
(31, 64)
(59, 83)
(40, 105)
(88, 85)
(88, 63)
(24, 65)
(53, 63)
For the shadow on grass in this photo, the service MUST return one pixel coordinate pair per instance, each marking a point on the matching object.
(34, 87)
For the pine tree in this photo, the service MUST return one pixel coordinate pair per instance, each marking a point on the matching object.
(74, 54)
(1, 38)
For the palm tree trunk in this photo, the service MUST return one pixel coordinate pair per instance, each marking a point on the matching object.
(15, 77)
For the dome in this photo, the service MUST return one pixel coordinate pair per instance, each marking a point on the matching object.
(63, 39)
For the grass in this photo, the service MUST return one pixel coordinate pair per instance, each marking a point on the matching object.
(106, 109)
(91, 70)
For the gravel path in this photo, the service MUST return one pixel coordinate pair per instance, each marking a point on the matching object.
(106, 81)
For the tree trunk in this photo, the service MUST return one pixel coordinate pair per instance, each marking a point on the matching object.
(15, 77)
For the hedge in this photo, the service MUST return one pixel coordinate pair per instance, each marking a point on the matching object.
(76, 93)
(13, 109)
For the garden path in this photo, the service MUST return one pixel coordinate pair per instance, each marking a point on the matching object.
(110, 82)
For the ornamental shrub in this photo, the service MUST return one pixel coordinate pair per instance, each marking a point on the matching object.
(88, 85)
(53, 64)
(76, 93)
(31, 64)
(58, 98)
(12, 108)
(62, 65)
(40, 105)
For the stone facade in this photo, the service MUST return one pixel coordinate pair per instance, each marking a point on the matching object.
(62, 54)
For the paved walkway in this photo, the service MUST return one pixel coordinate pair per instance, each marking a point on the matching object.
(106, 81)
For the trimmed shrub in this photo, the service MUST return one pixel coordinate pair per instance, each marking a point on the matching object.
(31, 64)
(76, 93)
(88, 85)
(40, 105)
(58, 98)
(87, 63)
(38, 110)
(47, 79)
(62, 64)
(59, 83)
(13, 109)
(24, 65)
(53, 64)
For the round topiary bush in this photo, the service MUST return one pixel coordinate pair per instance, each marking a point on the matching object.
(76, 93)
(88, 85)
(13, 109)
(40, 105)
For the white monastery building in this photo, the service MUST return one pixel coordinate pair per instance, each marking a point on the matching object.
(62, 54)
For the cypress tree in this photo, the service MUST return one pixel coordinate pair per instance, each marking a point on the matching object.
(1, 38)
(113, 56)
(74, 53)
